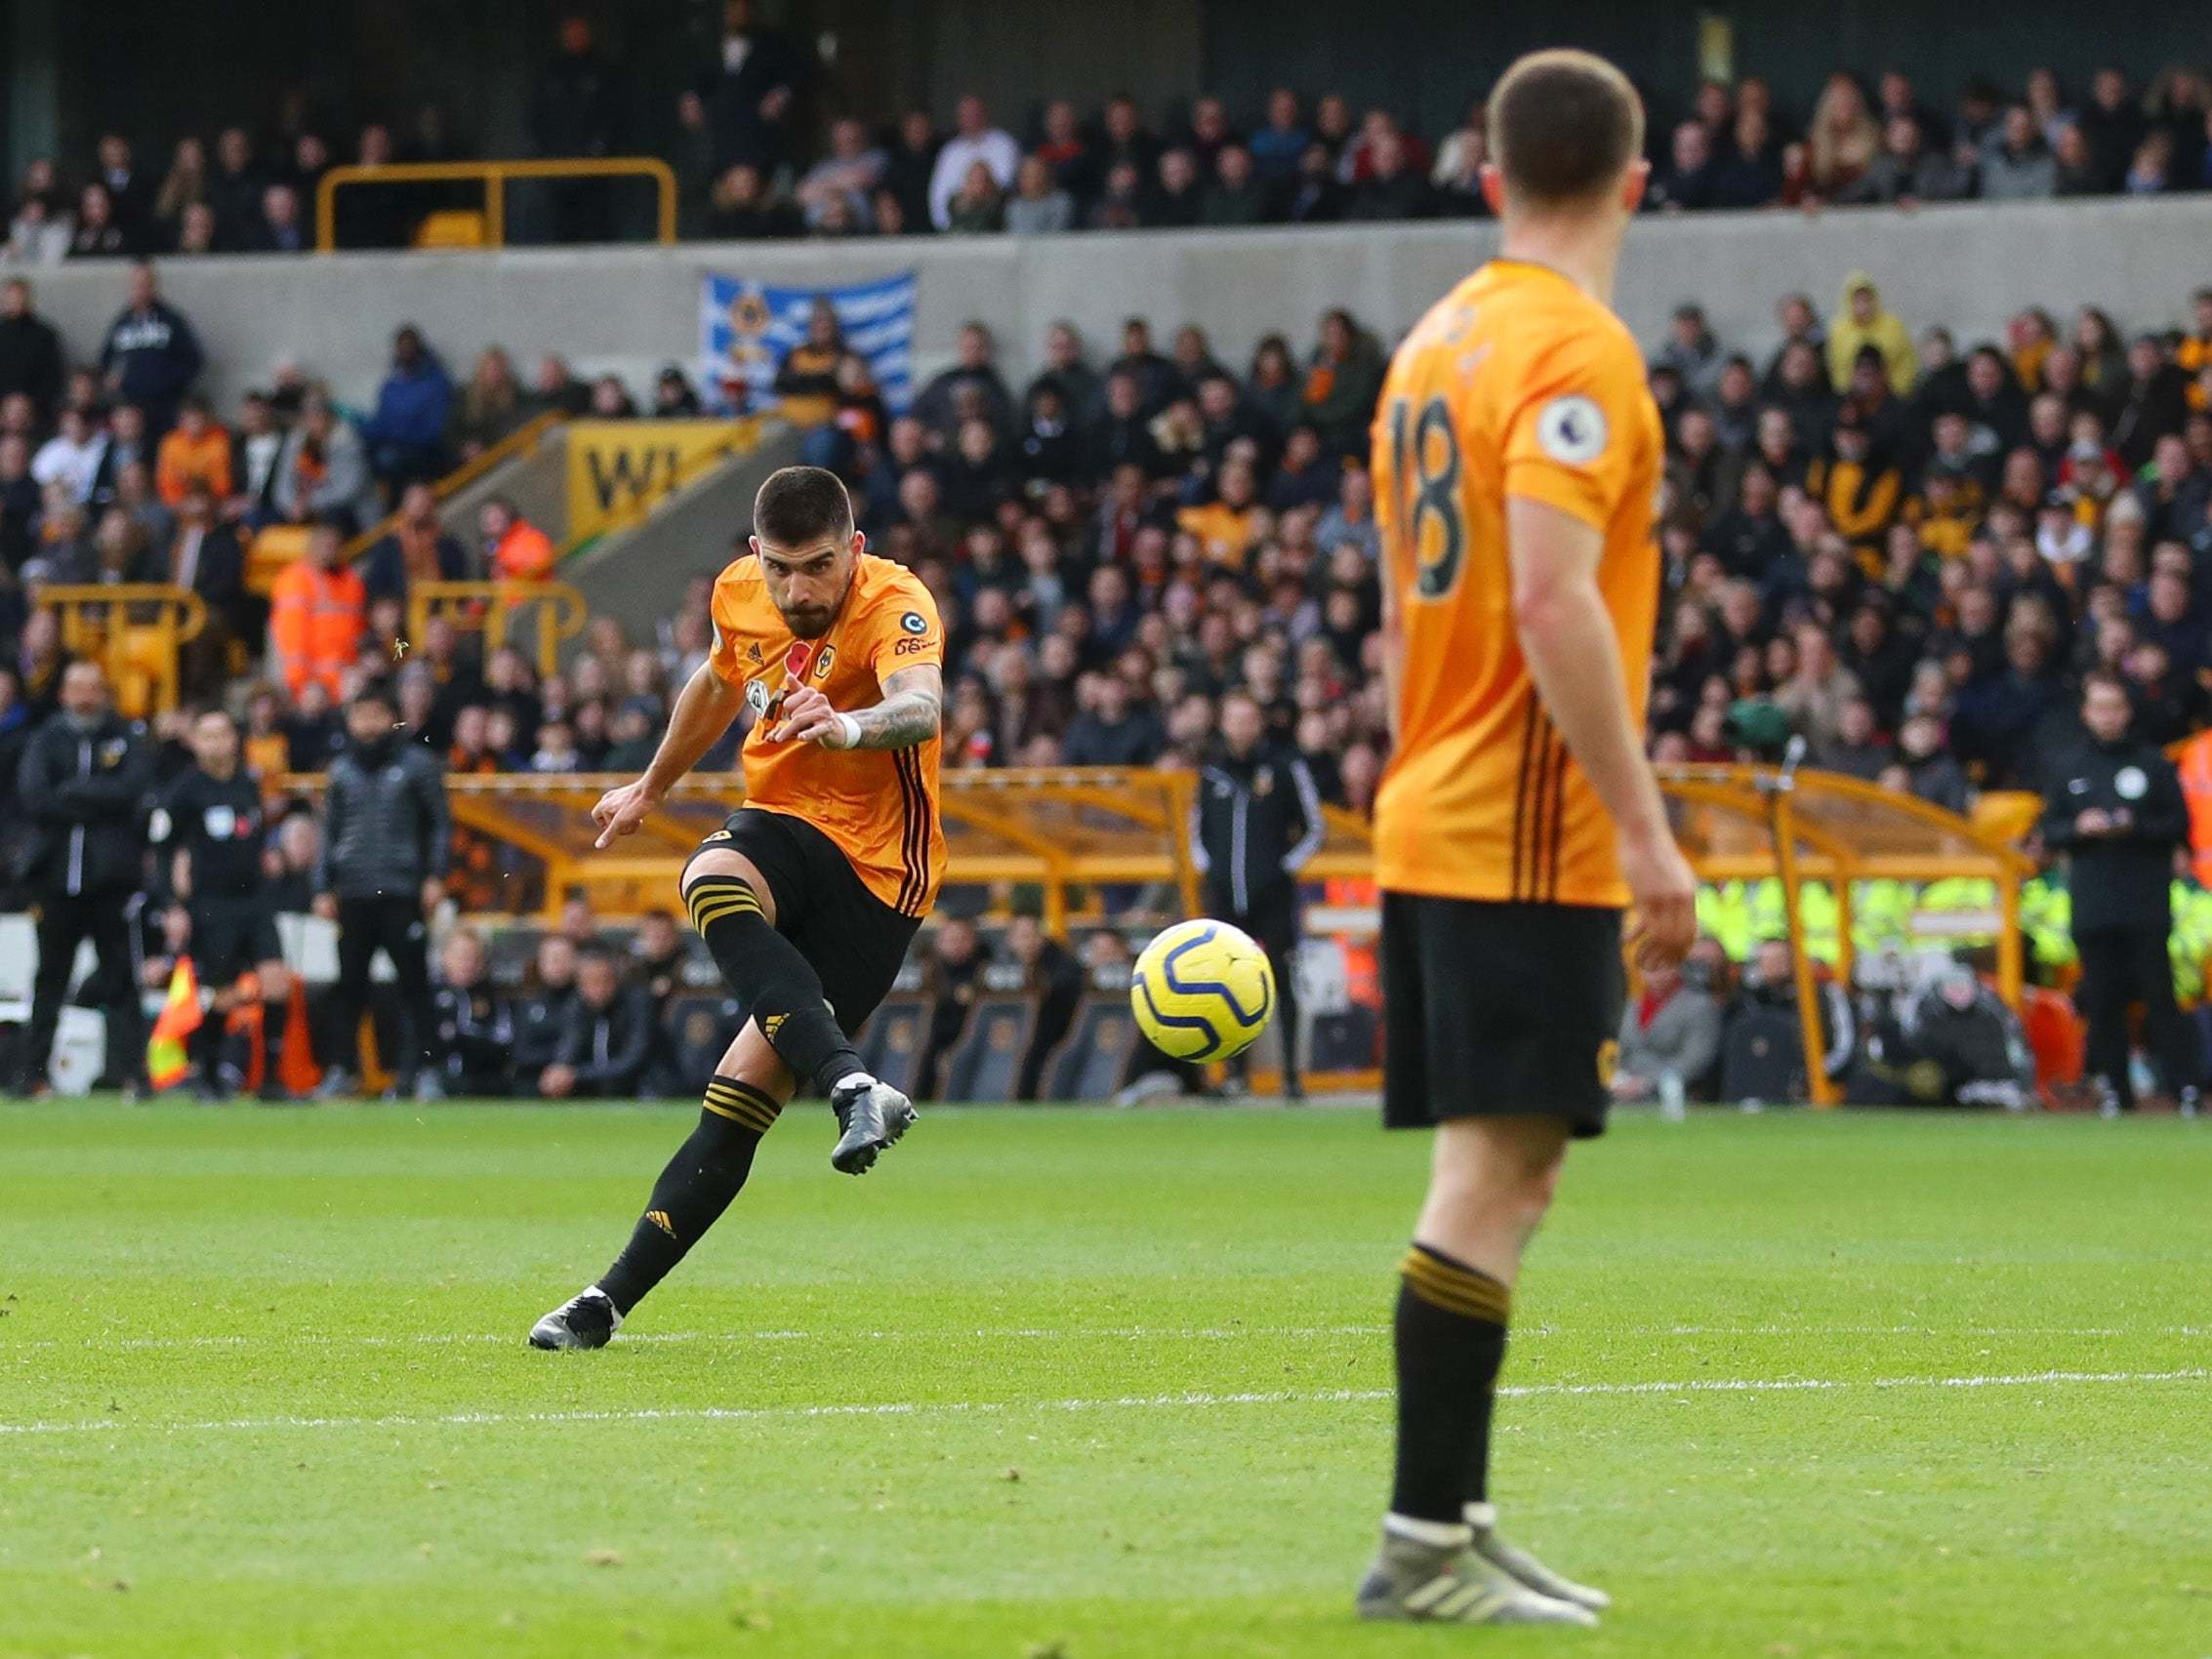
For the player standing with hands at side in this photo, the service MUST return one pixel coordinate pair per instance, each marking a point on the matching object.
(1517, 462)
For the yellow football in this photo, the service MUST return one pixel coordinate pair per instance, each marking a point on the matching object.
(1202, 991)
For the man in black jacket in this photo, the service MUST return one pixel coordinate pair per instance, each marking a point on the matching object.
(208, 827)
(2116, 809)
(386, 835)
(1056, 980)
(607, 1040)
(1255, 823)
(151, 356)
(83, 783)
(30, 351)
(541, 1017)
(475, 1037)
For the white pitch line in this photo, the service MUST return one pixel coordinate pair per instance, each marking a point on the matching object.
(1122, 1333)
(1124, 1403)
(442, 1339)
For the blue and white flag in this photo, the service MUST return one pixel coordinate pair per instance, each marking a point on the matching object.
(747, 328)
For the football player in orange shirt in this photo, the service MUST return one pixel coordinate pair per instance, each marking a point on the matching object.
(1517, 459)
(810, 892)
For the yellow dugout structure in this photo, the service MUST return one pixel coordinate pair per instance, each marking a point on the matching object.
(1069, 832)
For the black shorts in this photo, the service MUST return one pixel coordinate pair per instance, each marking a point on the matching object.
(1499, 1010)
(232, 936)
(853, 939)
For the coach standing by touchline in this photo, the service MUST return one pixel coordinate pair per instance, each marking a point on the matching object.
(83, 782)
(2116, 810)
(1255, 823)
(386, 839)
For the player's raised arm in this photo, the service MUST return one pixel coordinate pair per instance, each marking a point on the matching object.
(1574, 656)
(703, 711)
(911, 711)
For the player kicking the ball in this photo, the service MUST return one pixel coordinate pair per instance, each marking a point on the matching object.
(809, 893)
(1517, 456)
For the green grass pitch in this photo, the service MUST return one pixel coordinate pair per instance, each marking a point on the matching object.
(1084, 1384)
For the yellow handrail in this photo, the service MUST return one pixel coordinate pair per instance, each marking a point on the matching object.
(493, 176)
(490, 606)
(84, 611)
(524, 438)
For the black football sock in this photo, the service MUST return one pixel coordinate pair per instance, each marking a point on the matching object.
(697, 1186)
(776, 986)
(1450, 1341)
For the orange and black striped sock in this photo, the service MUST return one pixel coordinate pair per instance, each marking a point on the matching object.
(706, 1172)
(1450, 1335)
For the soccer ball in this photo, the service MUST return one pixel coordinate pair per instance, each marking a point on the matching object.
(1202, 991)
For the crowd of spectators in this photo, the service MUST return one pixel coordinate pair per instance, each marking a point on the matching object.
(1902, 547)
(763, 145)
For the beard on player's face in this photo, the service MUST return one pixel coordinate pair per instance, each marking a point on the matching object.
(808, 600)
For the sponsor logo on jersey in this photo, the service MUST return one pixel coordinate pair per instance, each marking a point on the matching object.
(914, 623)
(2130, 782)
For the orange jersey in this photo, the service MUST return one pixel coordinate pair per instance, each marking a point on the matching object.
(1516, 383)
(878, 805)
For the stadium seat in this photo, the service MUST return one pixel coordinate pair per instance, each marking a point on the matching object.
(1093, 1057)
(891, 1046)
(986, 1064)
(452, 227)
(2008, 813)
(698, 1028)
(272, 549)
(1347, 1040)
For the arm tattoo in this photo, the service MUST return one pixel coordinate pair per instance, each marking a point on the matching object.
(912, 709)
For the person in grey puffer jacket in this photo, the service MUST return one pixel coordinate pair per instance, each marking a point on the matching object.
(385, 837)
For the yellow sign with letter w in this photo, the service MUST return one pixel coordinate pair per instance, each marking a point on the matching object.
(619, 472)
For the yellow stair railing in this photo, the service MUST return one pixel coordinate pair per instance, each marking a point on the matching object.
(491, 608)
(133, 629)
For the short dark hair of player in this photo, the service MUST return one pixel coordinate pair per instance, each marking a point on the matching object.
(1564, 126)
(801, 505)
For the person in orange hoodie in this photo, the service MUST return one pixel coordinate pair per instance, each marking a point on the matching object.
(515, 548)
(317, 613)
(195, 448)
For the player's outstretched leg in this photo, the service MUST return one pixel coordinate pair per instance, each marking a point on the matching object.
(706, 1172)
(775, 983)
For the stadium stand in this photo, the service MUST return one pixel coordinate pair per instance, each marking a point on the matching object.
(1900, 544)
(726, 171)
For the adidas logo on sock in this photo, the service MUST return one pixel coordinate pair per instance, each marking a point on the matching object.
(660, 1219)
